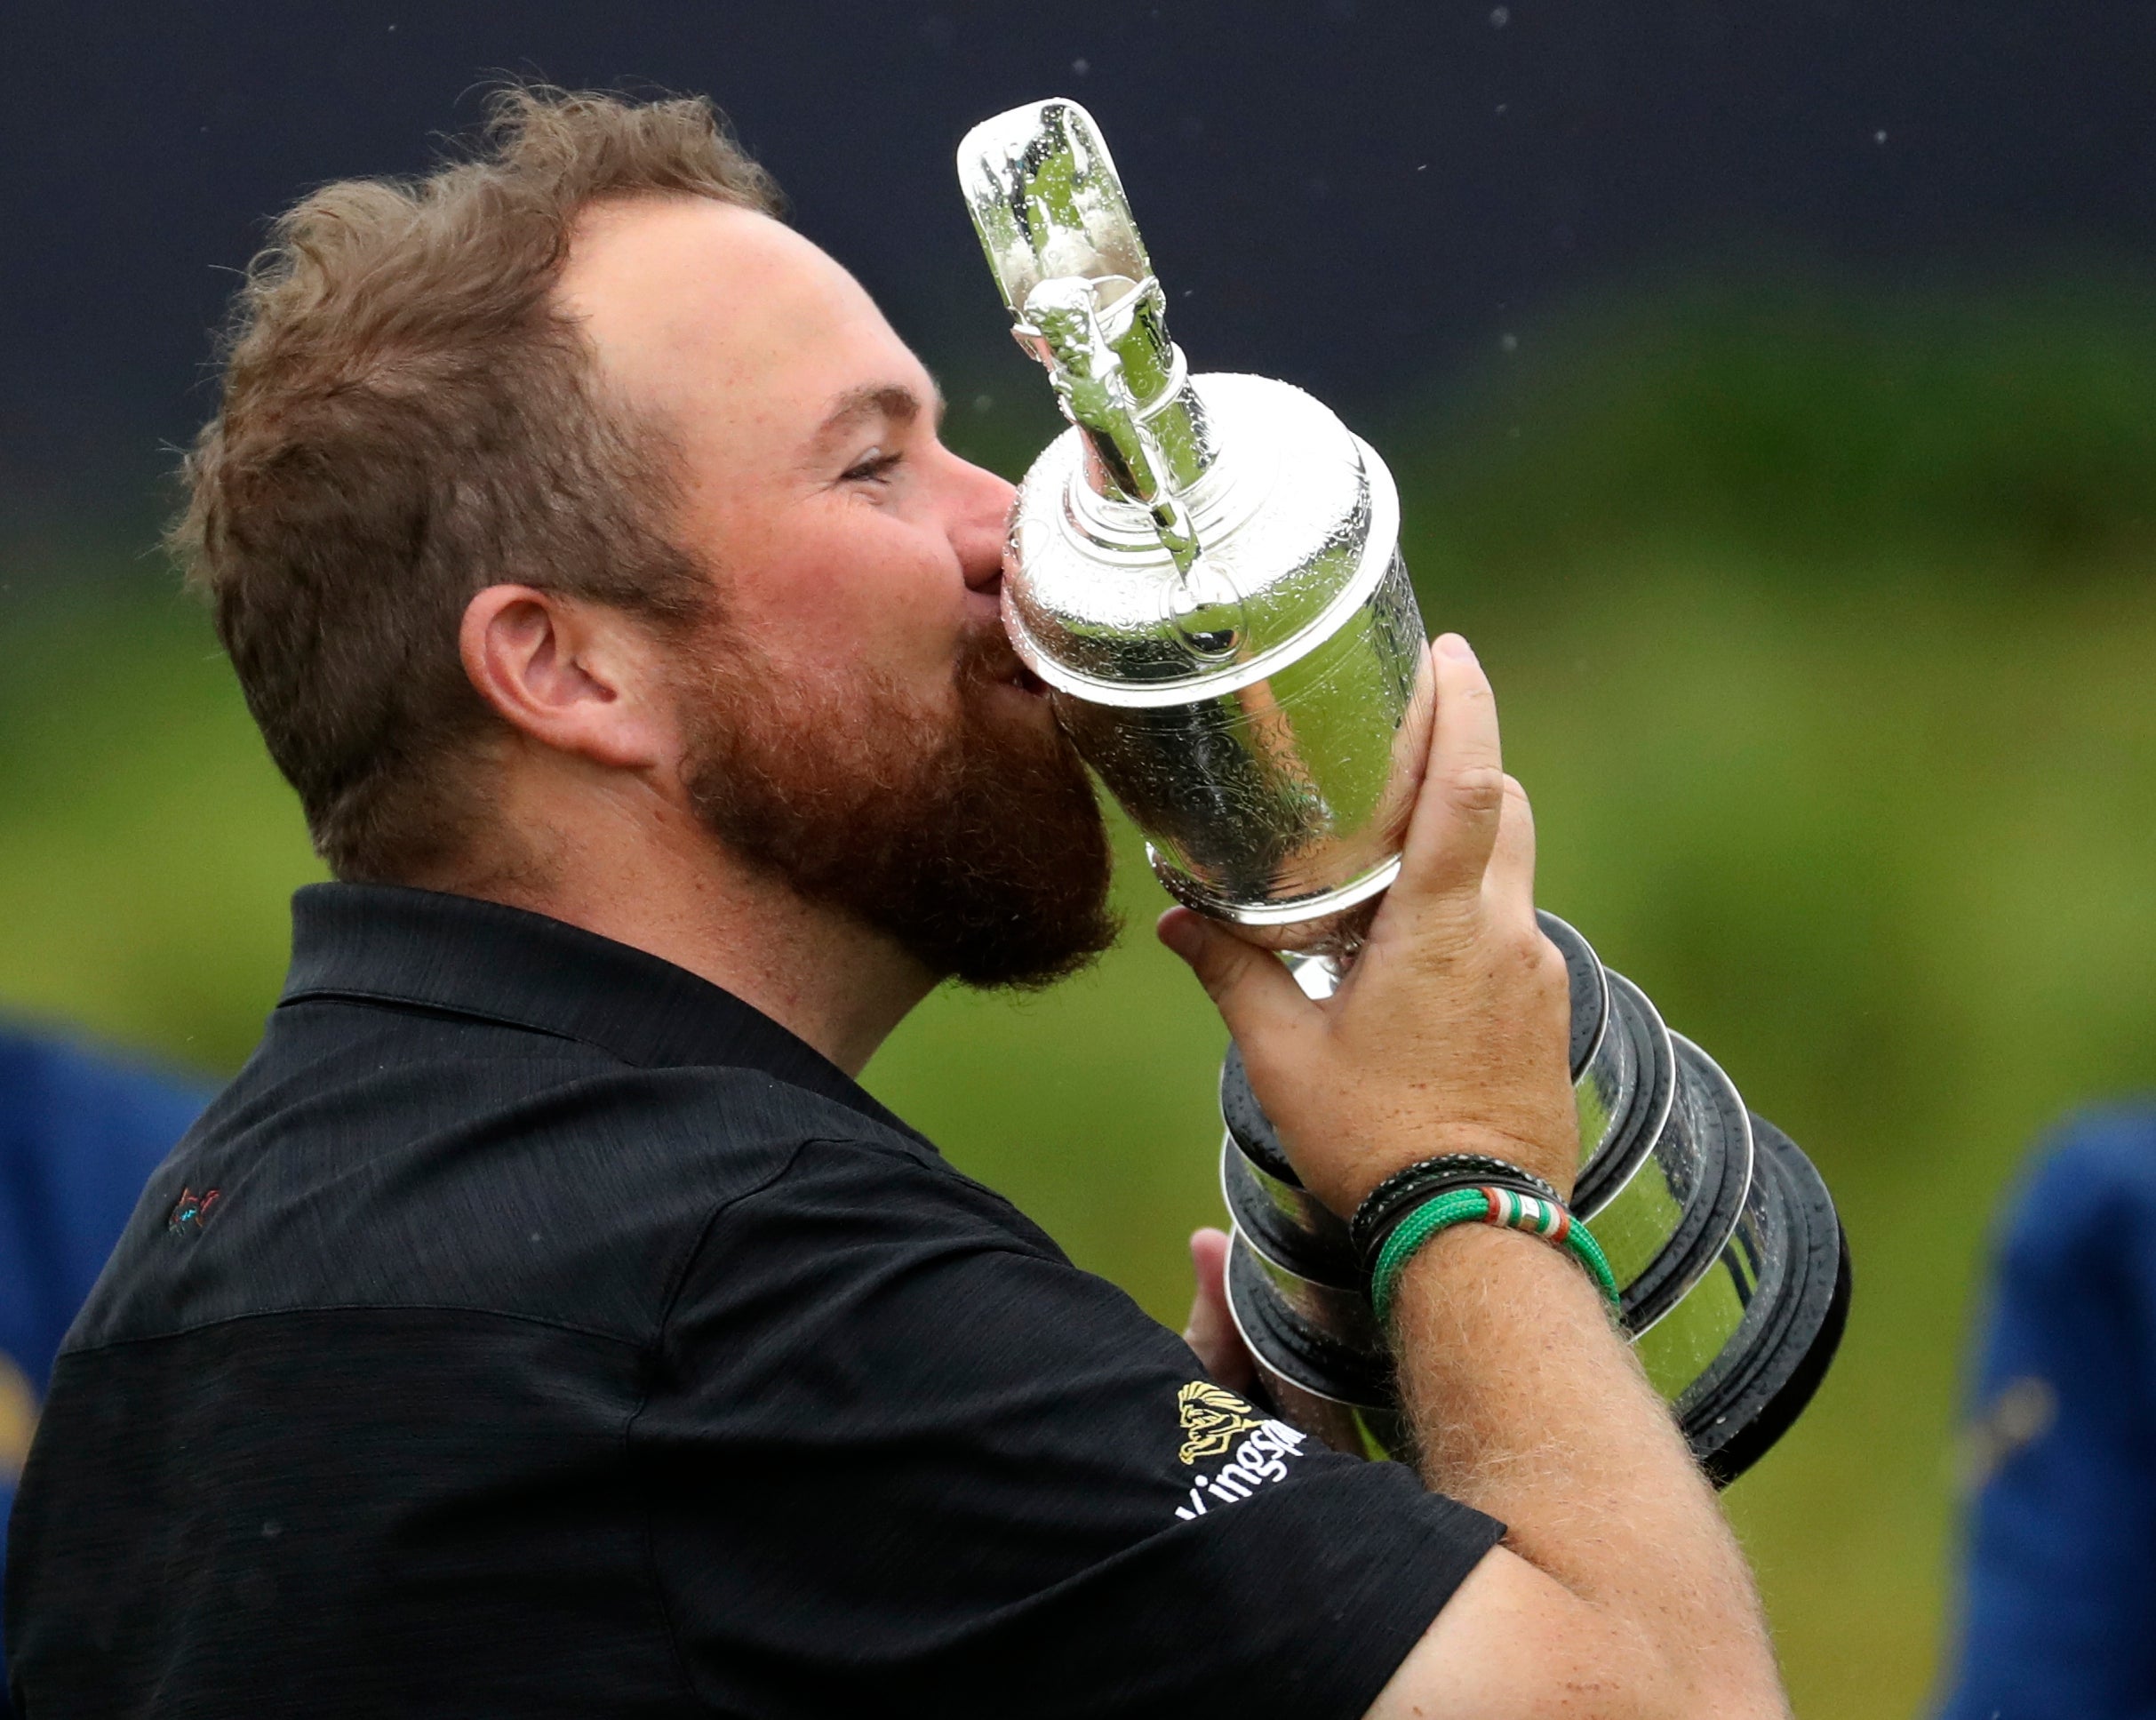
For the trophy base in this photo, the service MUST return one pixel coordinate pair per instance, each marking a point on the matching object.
(1768, 1336)
(1730, 1260)
(1766, 1376)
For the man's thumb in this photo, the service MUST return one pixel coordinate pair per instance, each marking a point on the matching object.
(1252, 989)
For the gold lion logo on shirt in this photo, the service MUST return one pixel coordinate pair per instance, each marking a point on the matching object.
(17, 1418)
(1211, 1419)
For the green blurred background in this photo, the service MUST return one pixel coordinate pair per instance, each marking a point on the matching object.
(1821, 626)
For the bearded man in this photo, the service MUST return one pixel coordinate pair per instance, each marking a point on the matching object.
(544, 1321)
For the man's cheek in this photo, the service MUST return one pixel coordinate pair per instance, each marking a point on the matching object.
(897, 634)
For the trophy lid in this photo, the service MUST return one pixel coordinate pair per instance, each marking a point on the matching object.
(1297, 519)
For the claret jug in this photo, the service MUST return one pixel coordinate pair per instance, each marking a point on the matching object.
(1206, 573)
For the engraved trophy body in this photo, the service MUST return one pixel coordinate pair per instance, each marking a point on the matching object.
(1205, 571)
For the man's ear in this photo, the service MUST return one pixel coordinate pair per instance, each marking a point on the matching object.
(576, 676)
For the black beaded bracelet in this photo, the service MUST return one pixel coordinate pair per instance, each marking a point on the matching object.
(1403, 1191)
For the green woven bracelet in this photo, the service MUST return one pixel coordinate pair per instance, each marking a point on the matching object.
(1502, 1207)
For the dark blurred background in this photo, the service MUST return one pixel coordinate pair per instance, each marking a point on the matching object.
(1773, 393)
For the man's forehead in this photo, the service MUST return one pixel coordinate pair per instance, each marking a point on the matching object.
(689, 299)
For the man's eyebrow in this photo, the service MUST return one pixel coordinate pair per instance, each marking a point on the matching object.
(891, 400)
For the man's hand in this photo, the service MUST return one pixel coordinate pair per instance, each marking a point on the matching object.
(1211, 1332)
(1619, 1593)
(1450, 1032)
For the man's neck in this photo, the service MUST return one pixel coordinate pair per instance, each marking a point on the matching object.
(649, 875)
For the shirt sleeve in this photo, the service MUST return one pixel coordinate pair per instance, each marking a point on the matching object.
(906, 1458)
(2060, 1575)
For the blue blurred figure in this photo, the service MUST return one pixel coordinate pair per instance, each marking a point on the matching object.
(79, 1135)
(2059, 1603)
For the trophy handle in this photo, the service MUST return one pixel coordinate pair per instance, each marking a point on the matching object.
(1058, 231)
(1047, 202)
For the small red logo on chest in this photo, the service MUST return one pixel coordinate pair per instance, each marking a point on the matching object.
(191, 1211)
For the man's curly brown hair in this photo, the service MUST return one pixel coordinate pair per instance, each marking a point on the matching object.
(407, 417)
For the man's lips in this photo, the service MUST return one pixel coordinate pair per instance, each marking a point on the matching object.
(999, 663)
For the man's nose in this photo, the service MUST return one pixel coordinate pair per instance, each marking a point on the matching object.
(983, 521)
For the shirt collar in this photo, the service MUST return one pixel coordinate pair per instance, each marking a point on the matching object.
(385, 944)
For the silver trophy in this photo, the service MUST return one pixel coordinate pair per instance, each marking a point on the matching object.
(1206, 573)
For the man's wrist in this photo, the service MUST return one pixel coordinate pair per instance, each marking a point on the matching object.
(1497, 1205)
(1390, 1202)
(1555, 1164)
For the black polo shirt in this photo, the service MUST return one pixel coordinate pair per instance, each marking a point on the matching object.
(533, 1328)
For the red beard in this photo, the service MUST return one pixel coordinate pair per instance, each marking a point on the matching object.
(978, 844)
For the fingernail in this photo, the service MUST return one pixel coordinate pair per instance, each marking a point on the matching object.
(1178, 929)
(1453, 645)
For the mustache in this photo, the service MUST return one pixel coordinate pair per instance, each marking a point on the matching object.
(986, 657)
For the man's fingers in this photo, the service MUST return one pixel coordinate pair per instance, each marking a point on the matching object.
(1456, 814)
(1508, 885)
(1255, 995)
(1212, 1333)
